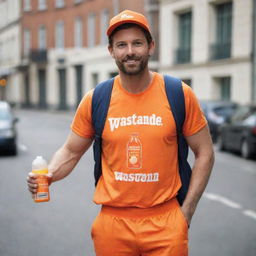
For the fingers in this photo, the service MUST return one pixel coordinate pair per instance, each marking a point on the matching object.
(32, 183)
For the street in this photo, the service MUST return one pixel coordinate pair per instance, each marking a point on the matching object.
(224, 223)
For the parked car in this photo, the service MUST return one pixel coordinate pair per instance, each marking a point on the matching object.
(8, 134)
(216, 112)
(239, 132)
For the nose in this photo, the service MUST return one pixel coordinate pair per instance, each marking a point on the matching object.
(130, 49)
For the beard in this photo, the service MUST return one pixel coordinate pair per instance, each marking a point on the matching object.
(135, 69)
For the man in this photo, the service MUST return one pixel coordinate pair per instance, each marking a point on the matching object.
(140, 214)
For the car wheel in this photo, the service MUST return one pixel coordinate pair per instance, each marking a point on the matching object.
(220, 144)
(245, 149)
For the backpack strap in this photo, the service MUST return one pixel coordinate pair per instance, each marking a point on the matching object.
(175, 95)
(100, 104)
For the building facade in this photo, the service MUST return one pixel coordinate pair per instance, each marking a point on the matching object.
(64, 48)
(209, 44)
(9, 50)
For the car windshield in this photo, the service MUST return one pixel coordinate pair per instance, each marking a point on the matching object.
(4, 114)
(242, 113)
(224, 111)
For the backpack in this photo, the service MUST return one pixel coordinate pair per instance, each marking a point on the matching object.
(100, 104)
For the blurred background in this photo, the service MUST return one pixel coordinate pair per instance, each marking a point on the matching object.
(53, 51)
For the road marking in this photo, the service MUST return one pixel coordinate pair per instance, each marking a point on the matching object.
(23, 147)
(223, 200)
(230, 203)
(250, 213)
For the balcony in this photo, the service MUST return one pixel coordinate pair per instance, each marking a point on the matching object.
(220, 51)
(38, 56)
(183, 55)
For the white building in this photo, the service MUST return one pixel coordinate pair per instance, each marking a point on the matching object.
(209, 44)
(10, 49)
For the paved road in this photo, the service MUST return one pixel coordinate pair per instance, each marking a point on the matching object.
(224, 224)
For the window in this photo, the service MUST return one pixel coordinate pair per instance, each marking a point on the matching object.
(26, 5)
(78, 32)
(42, 5)
(42, 38)
(91, 30)
(59, 3)
(59, 35)
(222, 47)
(104, 26)
(183, 52)
(225, 88)
(26, 42)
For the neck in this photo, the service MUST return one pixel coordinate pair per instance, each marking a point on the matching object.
(136, 83)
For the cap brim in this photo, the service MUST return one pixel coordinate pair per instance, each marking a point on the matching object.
(114, 26)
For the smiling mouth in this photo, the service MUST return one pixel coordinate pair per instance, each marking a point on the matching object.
(130, 61)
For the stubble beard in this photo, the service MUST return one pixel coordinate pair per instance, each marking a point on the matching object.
(135, 71)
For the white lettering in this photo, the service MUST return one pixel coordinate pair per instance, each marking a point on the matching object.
(116, 122)
(118, 175)
(123, 121)
(131, 177)
(137, 177)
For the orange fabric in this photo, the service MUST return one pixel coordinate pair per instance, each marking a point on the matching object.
(139, 159)
(127, 16)
(163, 232)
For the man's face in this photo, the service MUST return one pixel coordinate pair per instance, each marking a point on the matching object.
(131, 51)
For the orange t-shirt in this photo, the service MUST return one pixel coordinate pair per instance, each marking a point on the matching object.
(139, 148)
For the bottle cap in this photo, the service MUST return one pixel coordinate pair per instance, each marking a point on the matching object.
(39, 163)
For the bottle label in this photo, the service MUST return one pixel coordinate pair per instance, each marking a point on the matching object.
(42, 194)
(134, 152)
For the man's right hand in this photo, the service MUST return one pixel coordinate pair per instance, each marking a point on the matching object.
(32, 182)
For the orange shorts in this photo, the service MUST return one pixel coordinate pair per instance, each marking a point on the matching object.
(158, 231)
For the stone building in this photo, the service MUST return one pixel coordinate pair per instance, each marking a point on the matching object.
(211, 45)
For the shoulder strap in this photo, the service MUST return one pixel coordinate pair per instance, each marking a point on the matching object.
(175, 95)
(100, 104)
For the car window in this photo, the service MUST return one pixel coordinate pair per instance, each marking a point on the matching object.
(4, 114)
(225, 111)
(240, 114)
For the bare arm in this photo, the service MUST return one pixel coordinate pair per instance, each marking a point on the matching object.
(66, 158)
(201, 145)
(63, 161)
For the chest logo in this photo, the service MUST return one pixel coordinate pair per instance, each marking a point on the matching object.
(116, 122)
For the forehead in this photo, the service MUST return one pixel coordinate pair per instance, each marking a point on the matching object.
(129, 34)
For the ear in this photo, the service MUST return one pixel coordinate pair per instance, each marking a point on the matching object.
(151, 48)
(110, 49)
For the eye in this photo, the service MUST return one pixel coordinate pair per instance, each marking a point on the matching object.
(121, 45)
(138, 43)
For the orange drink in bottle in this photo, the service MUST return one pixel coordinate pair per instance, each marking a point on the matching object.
(39, 167)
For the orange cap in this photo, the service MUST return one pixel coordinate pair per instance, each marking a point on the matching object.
(127, 16)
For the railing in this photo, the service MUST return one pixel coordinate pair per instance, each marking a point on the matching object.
(183, 55)
(38, 56)
(220, 51)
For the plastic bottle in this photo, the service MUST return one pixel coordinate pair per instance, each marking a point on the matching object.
(39, 167)
(134, 152)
